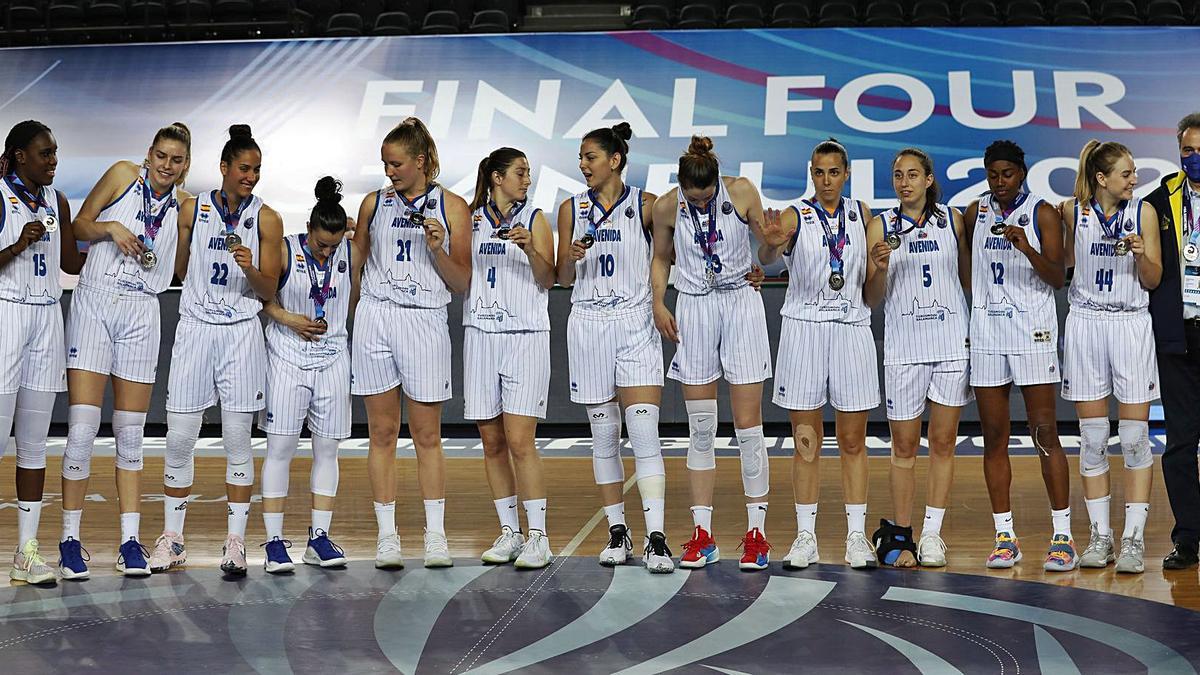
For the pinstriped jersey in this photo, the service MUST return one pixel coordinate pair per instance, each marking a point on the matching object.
(216, 290)
(504, 297)
(809, 296)
(730, 246)
(614, 276)
(31, 278)
(1012, 309)
(400, 268)
(925, 315)
(110, 270)
(296, 295)
(1104, 282)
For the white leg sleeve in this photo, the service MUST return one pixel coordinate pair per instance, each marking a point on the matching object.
(239, 461)
(702, 435)
(280, 450)
(324, 479)
(642, 421)
(32, 422)
(129, 428)
(605, 420)
(83, 423)
(182, 431)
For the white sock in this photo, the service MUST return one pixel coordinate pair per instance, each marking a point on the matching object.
(1004, 523)
(756, 516)
(506, 510)
(702, 517)
(71, 524)
(806, 518)
(615, 513)
(174, 513)
(239, 514)
(933, 521)
(130, 523)
(1061, 520)
(856, 518)
(273, 522)
(1135, 519)
(435, 515)
(29, 514)
(321, 520)
(1098, 514)
(385, 518)
(653, 510)
(535, 514)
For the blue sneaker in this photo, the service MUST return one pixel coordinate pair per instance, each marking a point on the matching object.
(72, 559)
(323, 552)
(132, 559)
(278, 561)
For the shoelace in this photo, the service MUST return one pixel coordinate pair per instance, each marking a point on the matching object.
(386, 545)
(656, 546)
(321, 537)
(751, 544)
(1132, 546)
(503, 538)
(438, 544)
(32, 555)
(936, 540)
(1097, 544)
(287, 543)
(140, 547)
(619, 539)
(83, 552)
(694, 544)
(859, 544)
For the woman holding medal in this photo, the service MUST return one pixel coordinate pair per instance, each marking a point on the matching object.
(827, 352)
(506, 354)
(308, 374)
(1017, 262)
(921, 266)
(414, 238)
(1108, 346)
(604, 251)
(131, 218)
(36, 241)
(704, 227)
(228, 255)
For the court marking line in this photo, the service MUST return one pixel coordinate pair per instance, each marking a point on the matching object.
(592, 522)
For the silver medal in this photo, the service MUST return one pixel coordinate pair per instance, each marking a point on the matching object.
(148, 260)
(50, 222)
(587, 241)
(710, 276)
(232, 241)
(998, 229)
(893, 241)
(836, 281)
(1122, 247)
(1190, 252)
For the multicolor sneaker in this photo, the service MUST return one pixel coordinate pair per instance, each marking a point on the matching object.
(278, 561)
(437, 550)
(131, 559)
(754, 551)
(700, 550)
(168, 552)
(505, 549)
(536, 552)
(233, 556)
(1007, 552)
(73, 559)
(28, 566)
(620, 546)
(323, 552)
(1099, 551)
(657, 556)
(803, 552)
(1061, 556)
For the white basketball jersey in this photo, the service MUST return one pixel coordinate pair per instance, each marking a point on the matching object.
(809, 296)
(296, 295)
(730, 245)
(31, 278)
(110, 270)
(925, 314)
(1012, 308)
(400, 268)
(216, 289)
(1104, 282)
(504, 297)
(614, 276)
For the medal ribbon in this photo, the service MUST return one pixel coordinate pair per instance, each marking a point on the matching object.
(505, 220)
(604, 213)
(1111, 226)
(709, 238)
(836, 243)
(231, 220)
(318, 293)
(33, 201)
(1003, 214)
(412, 206)
(153, 223)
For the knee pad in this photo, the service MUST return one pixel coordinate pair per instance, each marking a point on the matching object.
(280, 450)
(605, 420)
(903, 462)
(642, 421)
(702, 435)
(239, 460)
(179, 464)
(129, 428)
(324, 478)
(83, 423)
(1093, 446)
(756, 472)
(32, 422)
(1135, 444)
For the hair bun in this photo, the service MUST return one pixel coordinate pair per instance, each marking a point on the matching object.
(623, 131)
(329, 189)
(700, 145)
(240, 131)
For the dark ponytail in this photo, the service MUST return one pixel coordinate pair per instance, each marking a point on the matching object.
(932, 193)
(497, 162)
(698, 167)
(19, 138)
(328, 213)
(613, 140)
(240, 140)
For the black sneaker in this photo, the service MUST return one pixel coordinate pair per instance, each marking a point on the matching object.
(657, 556)
(620, 546)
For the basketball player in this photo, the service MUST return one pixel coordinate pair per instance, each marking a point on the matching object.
(230, 242)
(827, 352)
(1017, 262)
(1108, 350)
(414, 240)
(615, 354)
(706, 224)
(131, 217)
(308, 374)
(36, 241)
(921, 268)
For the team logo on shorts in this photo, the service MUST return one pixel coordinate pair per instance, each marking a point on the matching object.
(782, 391)
(258, 396)
(1066, 384)
(1041, 336)
(1052, 367)
(270, 417)
(575, 386)
(73, 352)
(1023, 220)
(889, 403)
(726, 208)
(1151, 386)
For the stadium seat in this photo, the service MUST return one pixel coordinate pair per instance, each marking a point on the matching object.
(1025, 13)
(932, 13)
(344, 24)
(791, 15)
(1165, 13)
(367, 9)
(64, 14)
(490, 21)
(978, 13)
(651, 17)
(885, 14)
(106, 13)
(464, 9)
(440, 22)
(392, 23)
(744, 15)
(189, 11)
(146, 12)
(511, 9)
(839, 13)
(232, 11)
(1119, 13)
(25, 14)
(1072, 13)
(697, 16)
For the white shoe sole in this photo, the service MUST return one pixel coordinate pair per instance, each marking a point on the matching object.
(1003, 564)
(752, 567)
(496, 559)
(1097, 565)
(660, 570)
(66, 573)
(613, 562)
(171, 566)
(134, 571)
(383, 564)
(863, 565)
(789, 565)
(21, 575)
(435, 563)
(279, 568)
(932, 563)
(526, 565)
(1051, 567)
(1139, 569)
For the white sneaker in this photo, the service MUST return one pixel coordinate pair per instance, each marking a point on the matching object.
(505, 548)
(931, 551)
(619, 548)
(28, 566)
(859, 552)
(169, 552)
(387, 553)
(1099, 551)
(536, 552)
(233, 556)
(657, 556)
(437, 550)
(803, 552)
(1133, 555)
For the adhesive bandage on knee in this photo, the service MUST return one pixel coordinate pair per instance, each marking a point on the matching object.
(1041, 433)
(1093, 446)
(903, 462)
(1135, 443)
(756, 472)
(239, 461)
(642, 421)
(32, 424)
(702, 434)
(182, 431)
(605, 420)
(129, 429)
(83, 423)
(324, 479)
(280, 450)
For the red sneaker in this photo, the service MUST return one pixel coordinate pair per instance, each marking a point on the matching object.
(700, 550)
(754, 551)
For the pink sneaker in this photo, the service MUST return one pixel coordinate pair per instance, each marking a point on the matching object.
(168, 552)
(233, 556)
